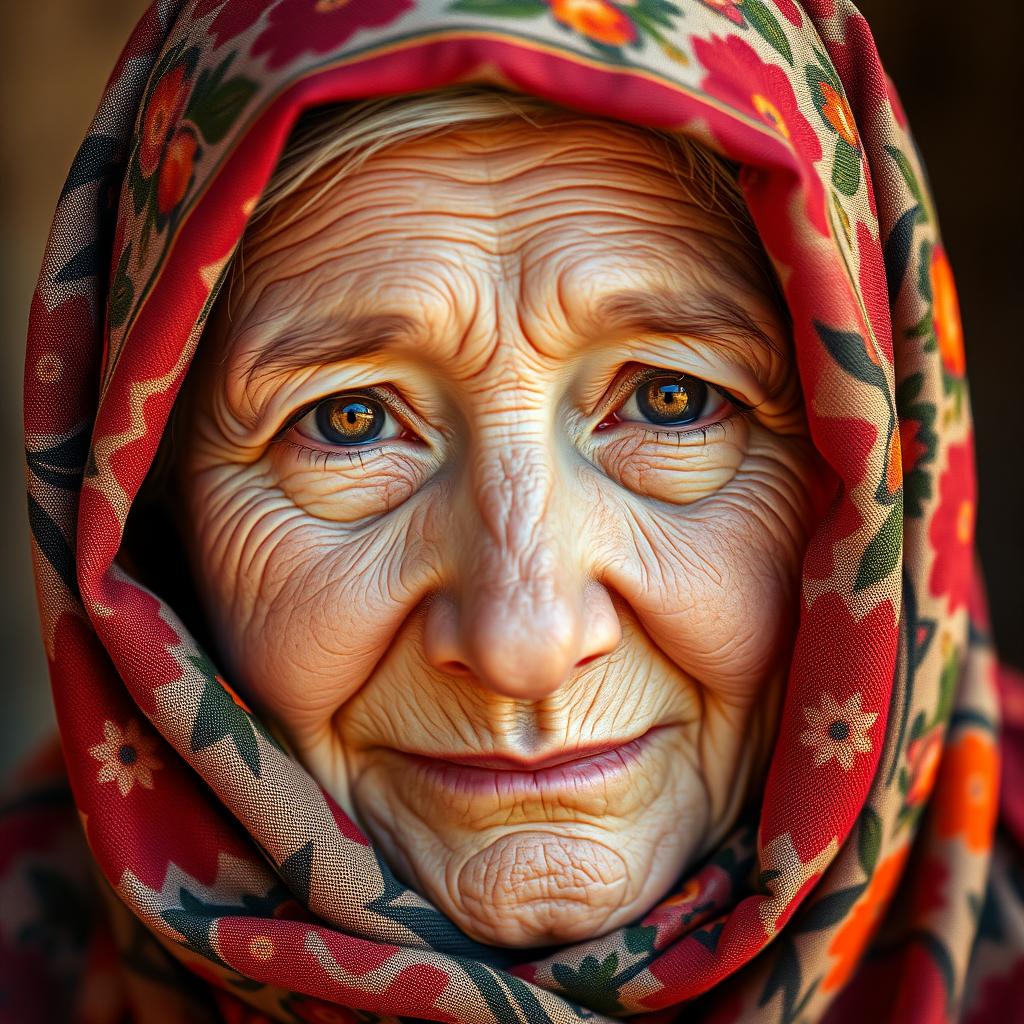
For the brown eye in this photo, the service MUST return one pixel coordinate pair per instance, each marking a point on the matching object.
(670, 400)
(351, 419)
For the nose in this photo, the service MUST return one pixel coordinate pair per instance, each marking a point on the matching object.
(524, 613)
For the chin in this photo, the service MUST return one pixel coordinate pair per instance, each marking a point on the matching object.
(523, 858)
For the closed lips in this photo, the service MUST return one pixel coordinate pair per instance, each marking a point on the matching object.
(582, 766)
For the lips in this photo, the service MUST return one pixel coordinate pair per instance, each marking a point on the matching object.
(583, 766)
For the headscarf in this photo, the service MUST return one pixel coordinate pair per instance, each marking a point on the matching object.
(232, 886)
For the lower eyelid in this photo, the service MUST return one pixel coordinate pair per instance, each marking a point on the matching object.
(325, 456)
(680, 435)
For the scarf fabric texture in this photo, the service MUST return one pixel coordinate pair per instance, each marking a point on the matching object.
(219, 881)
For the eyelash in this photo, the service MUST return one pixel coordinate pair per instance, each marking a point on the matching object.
(325, 458)
(680, 435)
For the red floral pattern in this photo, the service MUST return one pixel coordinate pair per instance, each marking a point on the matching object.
(952, 528)
(297, 27)
(232, 18)
(736, 74)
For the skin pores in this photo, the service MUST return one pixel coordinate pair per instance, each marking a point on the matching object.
(520, 563)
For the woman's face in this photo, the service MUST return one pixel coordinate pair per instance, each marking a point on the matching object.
(476, 524)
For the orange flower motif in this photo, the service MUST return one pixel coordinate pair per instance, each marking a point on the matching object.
(852, 938)
(598, 20)
(967, 794)
(946, 314)
(176, 170)
(838, 114)
(688, 894)
(161, 117)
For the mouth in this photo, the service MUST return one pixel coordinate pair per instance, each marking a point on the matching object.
(579, 767)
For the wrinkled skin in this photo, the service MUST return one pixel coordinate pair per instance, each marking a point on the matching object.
(506, 572)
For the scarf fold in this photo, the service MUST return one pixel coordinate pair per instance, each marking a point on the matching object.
(230, 885)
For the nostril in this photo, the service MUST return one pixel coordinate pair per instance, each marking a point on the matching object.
(587, 660)
(455, 667)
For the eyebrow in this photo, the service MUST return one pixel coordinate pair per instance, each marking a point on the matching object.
(330, 340)
(660, 312)
(338, 338)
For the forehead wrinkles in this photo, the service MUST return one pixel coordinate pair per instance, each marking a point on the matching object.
(505, 174)
(470, 222)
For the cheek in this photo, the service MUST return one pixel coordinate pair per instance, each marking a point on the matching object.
(715, 584)
(303, 609)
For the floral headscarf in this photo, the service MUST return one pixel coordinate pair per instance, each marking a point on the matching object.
(228, 885)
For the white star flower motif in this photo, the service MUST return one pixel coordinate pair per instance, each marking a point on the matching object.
(838, 730)
(126, 757)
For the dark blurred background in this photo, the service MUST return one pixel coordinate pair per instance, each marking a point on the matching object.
(958, 69)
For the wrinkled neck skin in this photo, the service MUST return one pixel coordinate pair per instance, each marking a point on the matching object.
(519, 565)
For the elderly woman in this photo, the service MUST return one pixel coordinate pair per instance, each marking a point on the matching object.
(502, 492)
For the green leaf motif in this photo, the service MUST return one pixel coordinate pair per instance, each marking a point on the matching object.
(846, 168)
(947, 685)
(882, 555)
(917, 482)
(910, 178)
(708, 937)
(122, 291)
(787, 978)
(829, 910)
(767, 26)
(655, 12)
(192, 921)
(215, 103)
(592, 983)
(297, 870)
(641, 938)
(193, 917)
(848, 350)
(924, 273)
(897, 251)
(219, 717)
(869, 840)
(501, 8)
(918, 728)
(826, 69)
